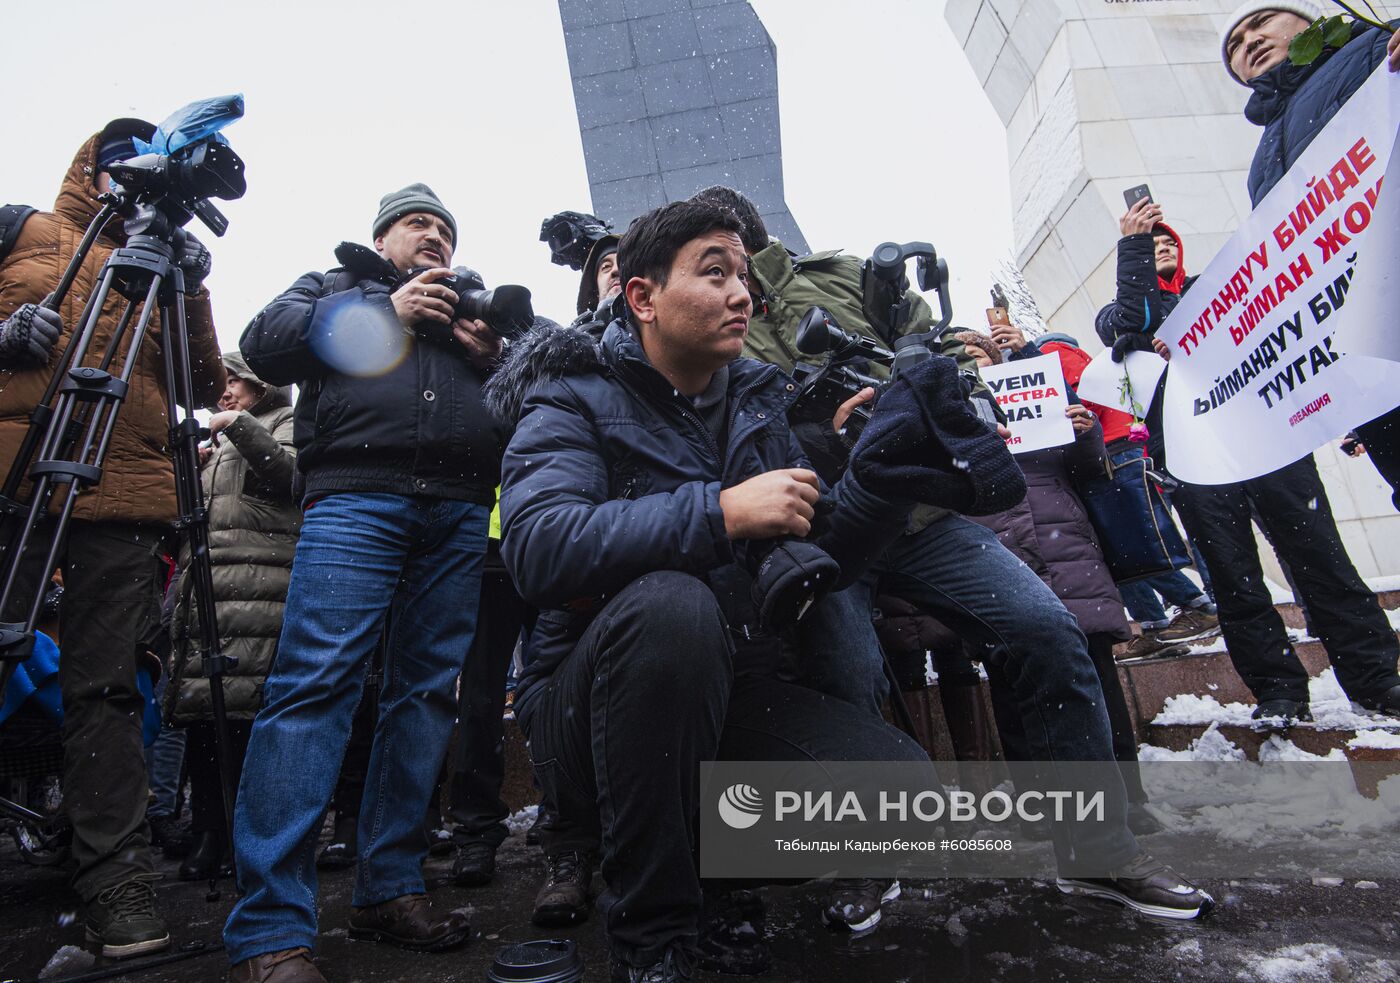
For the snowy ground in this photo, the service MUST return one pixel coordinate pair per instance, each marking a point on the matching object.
(938, 932)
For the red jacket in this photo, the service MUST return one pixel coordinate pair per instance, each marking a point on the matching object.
(1073, 360)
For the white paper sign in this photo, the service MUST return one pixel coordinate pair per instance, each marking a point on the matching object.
(1258, 375)
(1031, 391)
(1371, 326)
(1103, 381)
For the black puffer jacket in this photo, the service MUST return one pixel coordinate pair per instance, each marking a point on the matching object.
(1294, 102)
(1140, 302)
(610, 475)
(380, 410)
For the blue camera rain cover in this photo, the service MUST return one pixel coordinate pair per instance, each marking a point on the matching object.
(198, 121)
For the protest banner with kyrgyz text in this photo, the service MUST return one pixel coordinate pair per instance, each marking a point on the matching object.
(1256, 379)
(1031, 392)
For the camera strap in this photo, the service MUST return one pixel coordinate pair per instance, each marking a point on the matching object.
(12, 219)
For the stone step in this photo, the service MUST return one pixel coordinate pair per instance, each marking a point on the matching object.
(1304, 736)
(1147, 684)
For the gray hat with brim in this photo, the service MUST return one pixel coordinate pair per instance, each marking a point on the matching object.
(1306, 9)
(414, 198)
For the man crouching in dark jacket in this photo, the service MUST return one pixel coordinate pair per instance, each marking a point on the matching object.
(643, 470)
(400, 463)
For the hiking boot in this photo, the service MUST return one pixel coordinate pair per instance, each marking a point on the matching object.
(1148, 644)
(123, 918)
(284, 966)
(563, 897)
(676, 965)
(1146, 886)
(854, 905)
(731, 934)
(1387, 702)
(339, 854)
(410, 922)
(1190, 625)
(1280, 714)
(172, 836)
(475, 864)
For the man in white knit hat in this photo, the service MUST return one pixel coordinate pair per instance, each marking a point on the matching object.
(1293, 103)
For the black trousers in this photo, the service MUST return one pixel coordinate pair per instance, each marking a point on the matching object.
(1382, 440)
(202, 760)
(111, 613)
(619, 731)
(477, 764)
(1292, 507)
(1012, 731)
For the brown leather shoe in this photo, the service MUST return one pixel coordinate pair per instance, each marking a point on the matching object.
(286, 966)
(412, 922)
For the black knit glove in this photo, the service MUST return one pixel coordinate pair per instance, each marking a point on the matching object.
(195, 261)
(28, 336)
(924, 444)
(1131, 342)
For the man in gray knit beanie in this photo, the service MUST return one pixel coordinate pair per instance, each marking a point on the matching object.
(414, 198)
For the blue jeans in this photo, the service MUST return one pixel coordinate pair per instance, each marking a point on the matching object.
(959, 572)
(1140, 597)
(165, 759)
(360, 557)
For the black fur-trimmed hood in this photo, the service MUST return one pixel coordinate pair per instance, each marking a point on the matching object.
(547, 352)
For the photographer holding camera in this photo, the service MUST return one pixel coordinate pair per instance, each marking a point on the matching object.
(111, 560)
(400, 464)
(959, 572)
(645, 472)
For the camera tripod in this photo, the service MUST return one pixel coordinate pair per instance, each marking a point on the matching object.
(69, 437)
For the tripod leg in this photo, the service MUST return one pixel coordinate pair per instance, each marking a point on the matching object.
(194, 522)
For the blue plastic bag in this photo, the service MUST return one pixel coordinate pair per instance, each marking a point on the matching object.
(191, 124)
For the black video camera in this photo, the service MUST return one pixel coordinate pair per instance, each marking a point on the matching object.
(571, 235)
(505, 309)
(181, 184)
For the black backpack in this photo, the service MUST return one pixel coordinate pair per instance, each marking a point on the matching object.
(12, 219)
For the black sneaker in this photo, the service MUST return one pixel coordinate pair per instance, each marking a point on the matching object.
(1280, 714)
(854, 905)
(676, 965)
(123, 918)
(1146, 886)
(475, 864)
(731, 934)
(1387, 702)
(339, 854)
(563, 897)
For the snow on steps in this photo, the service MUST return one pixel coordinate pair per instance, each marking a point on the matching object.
(1175, 700)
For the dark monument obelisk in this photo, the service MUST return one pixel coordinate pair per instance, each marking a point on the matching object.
(673, 96)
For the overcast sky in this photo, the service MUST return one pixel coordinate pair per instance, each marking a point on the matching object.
(886, 133)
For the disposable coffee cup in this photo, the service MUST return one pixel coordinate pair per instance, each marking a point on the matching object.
(544, 961)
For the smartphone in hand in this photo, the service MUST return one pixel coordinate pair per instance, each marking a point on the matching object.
(1136, 194)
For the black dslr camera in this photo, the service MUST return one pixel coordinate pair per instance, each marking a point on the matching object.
(506, 309)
